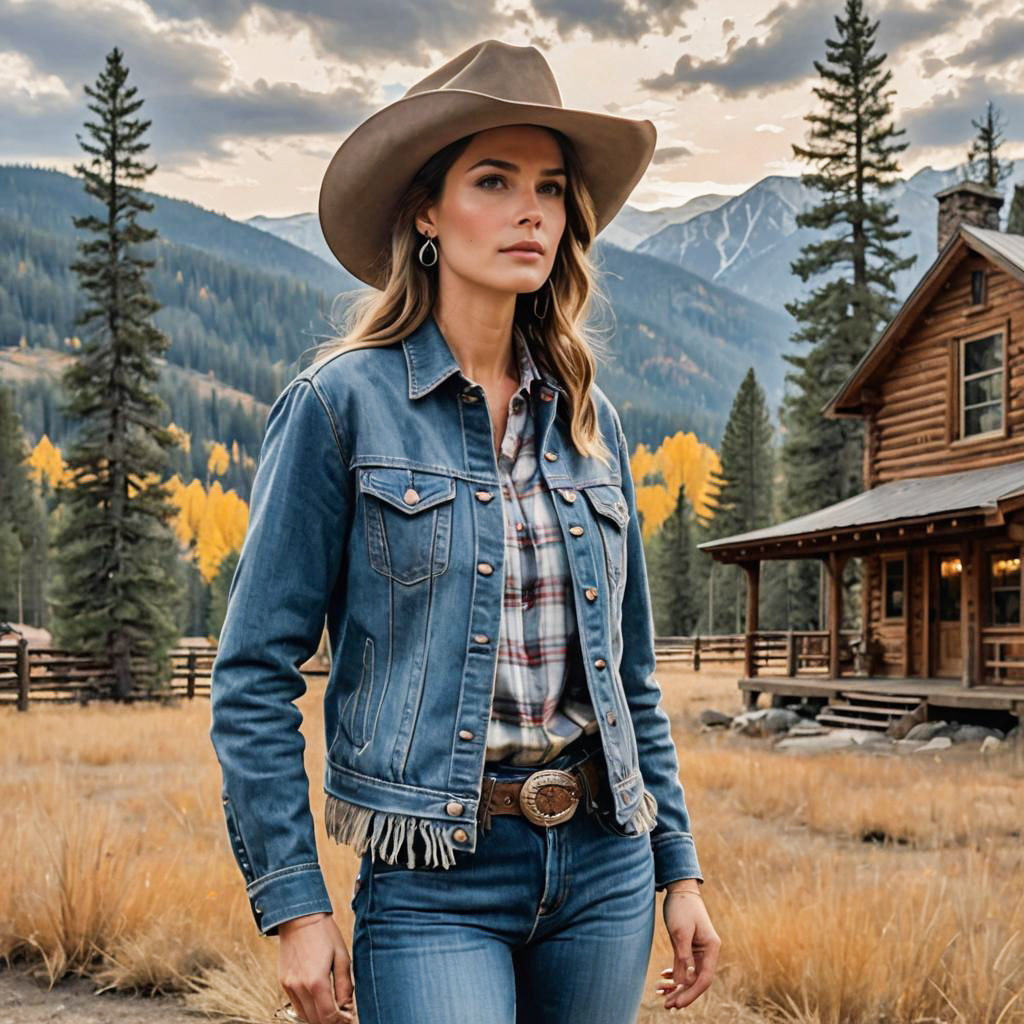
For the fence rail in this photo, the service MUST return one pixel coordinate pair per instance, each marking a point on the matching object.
(54, 675)
(51, 674)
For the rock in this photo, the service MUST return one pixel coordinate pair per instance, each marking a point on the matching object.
(906, 746)
(780, 720)
(712, 719)
(990, 743)
(806, 727)
(934, 744)
(927, 730)
(748, 723)
(835, 739)
(975, 734)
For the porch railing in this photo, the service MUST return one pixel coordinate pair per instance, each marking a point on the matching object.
(1002, 655)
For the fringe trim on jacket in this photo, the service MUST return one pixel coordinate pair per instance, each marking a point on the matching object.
(384, 834)
(646, 815)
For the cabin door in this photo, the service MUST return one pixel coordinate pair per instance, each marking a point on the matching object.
(946, 635)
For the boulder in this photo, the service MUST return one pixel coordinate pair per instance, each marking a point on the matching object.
(934, 744)
(925, 731)
(712, 719)
(975, 734)
(990, 744)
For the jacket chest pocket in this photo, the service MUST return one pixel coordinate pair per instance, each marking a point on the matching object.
(408, 522)
(611, 515)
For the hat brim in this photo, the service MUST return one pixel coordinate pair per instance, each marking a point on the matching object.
(376, 163)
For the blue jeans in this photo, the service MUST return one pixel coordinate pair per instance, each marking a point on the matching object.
(538, 926)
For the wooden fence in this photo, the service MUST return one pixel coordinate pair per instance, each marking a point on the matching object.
(53, 675)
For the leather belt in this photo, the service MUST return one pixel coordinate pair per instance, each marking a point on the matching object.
(546, 797)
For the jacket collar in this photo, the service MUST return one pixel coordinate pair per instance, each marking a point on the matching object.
(430, 361)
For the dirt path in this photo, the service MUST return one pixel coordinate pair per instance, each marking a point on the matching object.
(25, 1000)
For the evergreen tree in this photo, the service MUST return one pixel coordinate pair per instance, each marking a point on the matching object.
(1015, 218)
(119, 593)
(852, 143)
(743, 493)
(22, 524)
(983, 162)
(676, 607)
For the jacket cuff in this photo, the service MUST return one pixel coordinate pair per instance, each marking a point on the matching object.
(675, 857)
(287, 893)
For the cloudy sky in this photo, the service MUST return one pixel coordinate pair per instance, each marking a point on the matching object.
(250, 100)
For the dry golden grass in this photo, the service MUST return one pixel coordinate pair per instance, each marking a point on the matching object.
(117, 867)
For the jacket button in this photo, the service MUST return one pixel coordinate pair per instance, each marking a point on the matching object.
(465, 734)
(468, 396)
(570, 496)
(610, 717)
(547, 395)
(411, 496)
(550, 456)
(590, 593)
(480, 638)
(485, 567)
(455, 808)
(576, 531)
(483, 495)
(459, 835)
(599, 663)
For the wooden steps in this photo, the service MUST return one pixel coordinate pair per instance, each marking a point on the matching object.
(863, 709)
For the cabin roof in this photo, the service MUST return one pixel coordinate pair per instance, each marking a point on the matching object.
(971, 490)
(1003, 249)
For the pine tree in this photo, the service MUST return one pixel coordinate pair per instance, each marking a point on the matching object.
(743, 498)
(1015, 218)
(983, 162)
(119, 588)
(22, 528)
(852, 143)
(676, 609)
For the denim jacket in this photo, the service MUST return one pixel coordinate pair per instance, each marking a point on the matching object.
(375, 505)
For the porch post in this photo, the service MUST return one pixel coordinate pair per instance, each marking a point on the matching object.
(835, 608)
(753, 571)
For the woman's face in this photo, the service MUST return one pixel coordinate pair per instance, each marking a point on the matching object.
(507, 187)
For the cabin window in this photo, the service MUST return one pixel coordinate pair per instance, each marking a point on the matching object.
(1004, 588)
(978, 279)
(894, 588)
(981, 385)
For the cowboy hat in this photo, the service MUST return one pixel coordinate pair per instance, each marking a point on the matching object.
(490, 84)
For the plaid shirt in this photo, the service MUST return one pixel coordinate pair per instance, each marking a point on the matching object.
(541, 702)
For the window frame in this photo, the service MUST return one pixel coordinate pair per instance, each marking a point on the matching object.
(957, 419)
(901, 558)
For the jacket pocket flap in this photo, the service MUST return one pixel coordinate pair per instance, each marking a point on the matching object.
(408, 490)
(608, 500)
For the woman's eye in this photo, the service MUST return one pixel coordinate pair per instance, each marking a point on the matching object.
(557, 188)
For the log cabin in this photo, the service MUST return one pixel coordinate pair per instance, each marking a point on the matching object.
(939, 527)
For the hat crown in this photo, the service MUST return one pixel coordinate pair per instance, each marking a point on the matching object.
(519, 74)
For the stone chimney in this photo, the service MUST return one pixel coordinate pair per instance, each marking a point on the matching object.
(967, 202)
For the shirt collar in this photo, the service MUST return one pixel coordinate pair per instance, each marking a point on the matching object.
(430, 361)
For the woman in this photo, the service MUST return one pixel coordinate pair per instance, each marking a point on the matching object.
(452, 491)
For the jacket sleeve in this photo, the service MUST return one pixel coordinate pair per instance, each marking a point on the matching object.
(286, 574)
(675, 854)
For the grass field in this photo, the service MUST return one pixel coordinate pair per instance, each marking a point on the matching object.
(116, 866)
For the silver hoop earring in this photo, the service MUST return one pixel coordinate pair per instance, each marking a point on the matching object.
(423, 247)
(540, 314)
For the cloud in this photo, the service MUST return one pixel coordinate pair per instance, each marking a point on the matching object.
(185, 81)
(1001, 40)
(795, 36)
(614, 19)
(355, 32)
(946, 120)
(668, 154)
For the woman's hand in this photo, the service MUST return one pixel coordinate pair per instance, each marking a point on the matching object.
(310, 950)
(695, 941)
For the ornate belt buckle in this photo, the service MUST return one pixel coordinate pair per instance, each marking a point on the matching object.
(549, 796)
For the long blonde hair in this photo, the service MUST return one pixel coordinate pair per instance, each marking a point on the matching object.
(560, 342)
